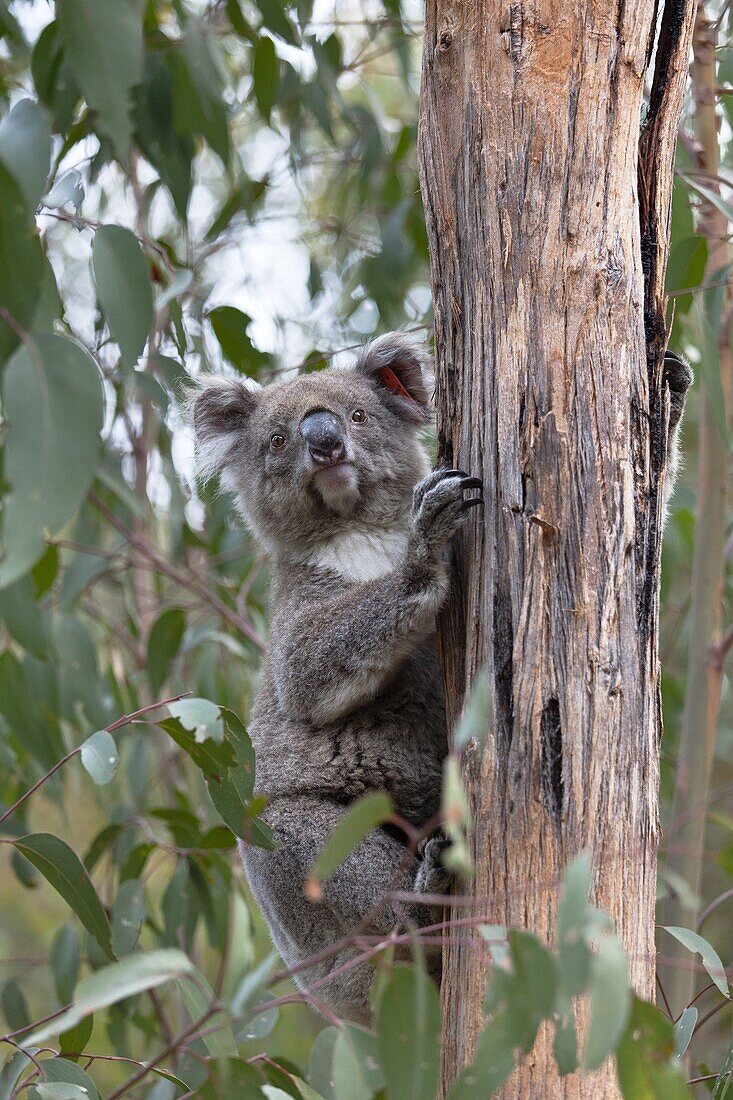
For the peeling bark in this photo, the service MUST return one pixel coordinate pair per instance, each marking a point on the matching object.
(529, 153)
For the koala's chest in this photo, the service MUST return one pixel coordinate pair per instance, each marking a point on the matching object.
(395, 743)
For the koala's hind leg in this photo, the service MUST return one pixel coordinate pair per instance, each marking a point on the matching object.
(301, 928)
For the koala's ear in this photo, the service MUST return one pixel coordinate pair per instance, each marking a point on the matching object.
(399, 368)
(220, 408)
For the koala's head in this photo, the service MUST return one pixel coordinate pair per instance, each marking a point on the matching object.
(308, 457)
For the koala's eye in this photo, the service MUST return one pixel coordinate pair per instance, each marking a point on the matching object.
(358, 416)
(277, 441)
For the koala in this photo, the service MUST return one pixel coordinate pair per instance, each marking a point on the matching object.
(330, 473)
(678, 377)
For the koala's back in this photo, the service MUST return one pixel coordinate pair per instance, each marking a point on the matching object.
(396, 742)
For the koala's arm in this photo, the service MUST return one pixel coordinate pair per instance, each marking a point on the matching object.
(333, 657)
(678, 377)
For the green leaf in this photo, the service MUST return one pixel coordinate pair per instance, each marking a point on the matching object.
(610, 1001)
(25, 148)
(230, 328)
(20, 710)
(711, 195)
(21, 264)
(565, 1045)
(456, 816)
(645, 1061)
(65, 962)
(519, 997)
(20, 613)
(710, 957)
(409, 1035)
(244, 772)
(356, 1069)
(577, 924)
(67, 190)
(58, 1091)
(123, 287)
(198, 105)
(128, 913)
(362, 817)
(53, 404)
(15, 1006)
(275, 19)
(492, 1063)
(168, 150)
(60, 866)
(73, 1041)
(135, 974)
(164, 641)
(100, 757)
(683, 1030)
(214, 758)
(200, 716)
(198, 996)
(96, 35)
(251, 984)
(725, 1077)
(12, 1072)
(62, 1071)
(227, 802)
(707, 315)
(474, 721)
(266, 76)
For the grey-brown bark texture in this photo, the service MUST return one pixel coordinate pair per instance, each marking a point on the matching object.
(548, 263)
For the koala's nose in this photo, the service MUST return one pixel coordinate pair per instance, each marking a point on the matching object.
(324, 437)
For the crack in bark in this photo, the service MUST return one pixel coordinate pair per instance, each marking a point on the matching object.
(553, 785)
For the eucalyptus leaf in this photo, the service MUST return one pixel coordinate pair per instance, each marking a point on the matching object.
(21, 264)
(123, 288)
(683, 1030)
(66, 873)
(53, 403)
(25, 148)
(114, 983)
(362, 817)
(710, 958)
(408, 1029)
(100, 757)
(200, 716)
(96, 35)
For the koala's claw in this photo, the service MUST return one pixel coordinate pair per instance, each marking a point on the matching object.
(432, 876)
(679, 378)
(439, 504)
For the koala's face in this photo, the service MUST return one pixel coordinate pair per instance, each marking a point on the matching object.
(310, 456)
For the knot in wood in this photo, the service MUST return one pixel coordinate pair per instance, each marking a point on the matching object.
(445, 41)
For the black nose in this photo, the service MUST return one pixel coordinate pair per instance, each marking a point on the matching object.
(322, 432)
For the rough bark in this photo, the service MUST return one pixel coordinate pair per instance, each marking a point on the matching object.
(528, 147)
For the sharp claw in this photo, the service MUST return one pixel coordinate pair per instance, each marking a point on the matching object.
(473, 502)
(472, 483)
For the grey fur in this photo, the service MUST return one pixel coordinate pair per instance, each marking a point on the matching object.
(350, 699)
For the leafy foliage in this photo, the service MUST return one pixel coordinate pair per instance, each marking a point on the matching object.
(240, 194)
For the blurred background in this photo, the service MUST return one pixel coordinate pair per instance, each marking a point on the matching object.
(261, 159)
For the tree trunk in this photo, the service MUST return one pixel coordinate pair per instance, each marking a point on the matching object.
(549, 387)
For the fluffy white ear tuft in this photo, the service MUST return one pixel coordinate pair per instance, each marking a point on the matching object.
(399, 366)
(220, 408)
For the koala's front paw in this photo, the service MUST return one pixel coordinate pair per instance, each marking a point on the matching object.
(432, 877)
(439, 504)
(679, 378)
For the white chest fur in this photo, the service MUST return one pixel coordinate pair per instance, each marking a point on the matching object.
(362, 554)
